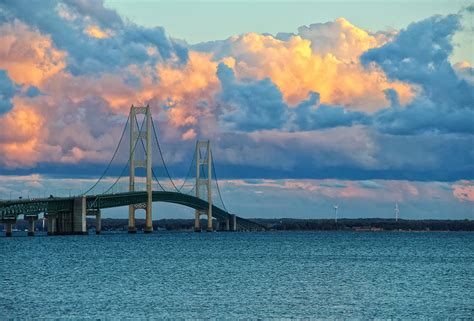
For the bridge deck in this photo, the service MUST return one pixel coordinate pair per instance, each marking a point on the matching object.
(9, 210)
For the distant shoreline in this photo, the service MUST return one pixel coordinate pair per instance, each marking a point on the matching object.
(291, 224)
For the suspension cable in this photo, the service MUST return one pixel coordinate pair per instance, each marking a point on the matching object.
(110, 163)
(161, 154)
(123, 170)
(188, 175)
(217, 183)
(143, 145)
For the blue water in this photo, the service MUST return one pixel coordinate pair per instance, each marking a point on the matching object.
(238, 275)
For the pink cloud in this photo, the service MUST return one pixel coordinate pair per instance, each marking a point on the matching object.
(464, 190)
(28, 56)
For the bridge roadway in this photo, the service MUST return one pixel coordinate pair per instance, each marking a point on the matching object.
(10, 210)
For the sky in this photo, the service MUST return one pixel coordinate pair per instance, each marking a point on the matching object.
(307, 104)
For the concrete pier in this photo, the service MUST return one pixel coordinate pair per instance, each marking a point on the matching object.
(51, 220)
(197, 221)
(31, 224)
(79, 216)
(9, 229)
(98, 223)
(233, 222)
(69, 222)
(131, 220)
(209, 220)
(148, 220)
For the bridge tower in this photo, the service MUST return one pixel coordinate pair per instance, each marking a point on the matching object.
(135, 135)
(203, 183)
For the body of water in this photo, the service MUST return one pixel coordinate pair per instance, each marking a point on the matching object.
(238, 275)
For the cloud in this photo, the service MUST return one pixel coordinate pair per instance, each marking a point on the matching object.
(464, 190)
(465, 71)
(32, 91)
(190, 134)
(386, 191)
(419, 55)
(78, 27)
(20, 147)
(342, 39)
(250, 105)
(96, 32)
(95, 9)
(299, 65)
(29, 56)
(299, 198)
(7, 91)
(310, 116)
(370, 184)
(332, 101)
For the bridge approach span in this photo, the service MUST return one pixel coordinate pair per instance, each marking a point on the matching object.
(10, 210)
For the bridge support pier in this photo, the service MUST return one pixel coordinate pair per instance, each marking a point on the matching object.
(209, 218)
(227, 227)
(148, 221)
(31, 225)
(9, 229)
(233, 222)
(197, 221)
(131, 220)
(68, 222)
(51, 224)
(79, 216)
(97, 216)
(98, 222)
(222, 225)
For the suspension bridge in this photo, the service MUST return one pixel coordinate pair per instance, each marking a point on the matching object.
(121, 185)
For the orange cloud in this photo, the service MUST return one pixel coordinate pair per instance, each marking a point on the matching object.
(464, 190)
(330, 67)
(21, 135)
(296, 66)
(96, 32)
(189, 134)
(184, 88)
(28, 56)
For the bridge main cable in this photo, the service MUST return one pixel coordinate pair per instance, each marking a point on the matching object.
(123, 169)
(143, 145)
(161, 154)
(111, 160)
(217, 183)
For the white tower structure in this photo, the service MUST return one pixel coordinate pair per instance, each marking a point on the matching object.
(203, 183)
(335, 212)
(135, 135)
(397, 212)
